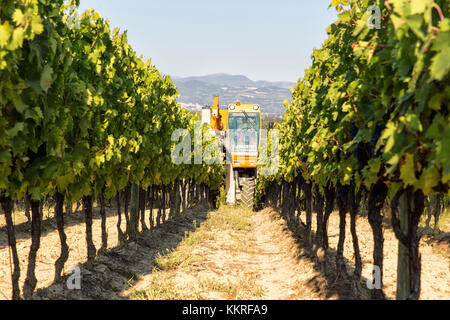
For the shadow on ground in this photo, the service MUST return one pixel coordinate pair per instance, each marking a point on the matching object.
(116, 270)
(48, 224)
(330, 284)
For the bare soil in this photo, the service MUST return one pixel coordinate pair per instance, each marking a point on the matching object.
(231, 253)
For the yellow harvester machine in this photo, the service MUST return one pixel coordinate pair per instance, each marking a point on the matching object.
(239, 128)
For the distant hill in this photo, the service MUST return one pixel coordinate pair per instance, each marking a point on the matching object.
(198, 91)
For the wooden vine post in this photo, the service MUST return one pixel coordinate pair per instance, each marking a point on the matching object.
(403, 275)
(134, 212)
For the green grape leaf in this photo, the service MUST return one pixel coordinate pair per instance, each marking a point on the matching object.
(5, 33)
(435, 102)
(36, 25)
(440, 65)
(408, 171)
(429, 179)
(46, 78)
(14, 131)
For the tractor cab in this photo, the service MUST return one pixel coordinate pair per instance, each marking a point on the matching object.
(239, 129)
(243, 134)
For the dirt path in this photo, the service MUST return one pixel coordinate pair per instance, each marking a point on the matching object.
(231, 253)
(237, 254)
(286, 272)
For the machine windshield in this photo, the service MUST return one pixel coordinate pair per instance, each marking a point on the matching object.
(244, 131)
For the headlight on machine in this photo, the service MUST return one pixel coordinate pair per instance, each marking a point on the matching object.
(255, 107)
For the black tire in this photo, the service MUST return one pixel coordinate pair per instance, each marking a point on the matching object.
(248, 192)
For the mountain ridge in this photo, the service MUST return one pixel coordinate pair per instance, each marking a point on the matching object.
(196, 91)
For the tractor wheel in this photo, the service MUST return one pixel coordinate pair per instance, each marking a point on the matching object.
(248, 192)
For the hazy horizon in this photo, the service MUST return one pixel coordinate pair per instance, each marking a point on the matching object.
(225, 73)
(262, 40)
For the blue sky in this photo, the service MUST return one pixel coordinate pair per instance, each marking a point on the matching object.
(264, 40)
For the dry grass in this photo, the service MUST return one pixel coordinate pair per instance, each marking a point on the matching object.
(252, 256)
(230, 253)
(202, 264)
